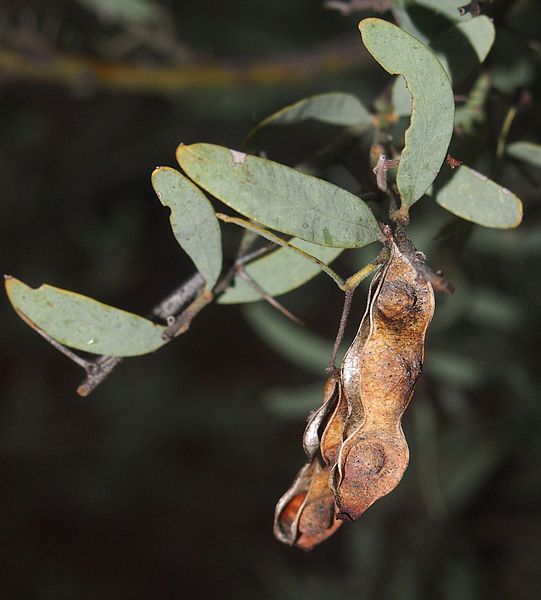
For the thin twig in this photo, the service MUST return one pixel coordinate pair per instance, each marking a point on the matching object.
(504, 131)
(181, 324)
(100, 368)
(103, 366)
(79, 360)
(380, 171)
(73, 70)
(436, 278)
(179, 297)
(263, 232)
(97, 372)
(348, 297)
(272, 301)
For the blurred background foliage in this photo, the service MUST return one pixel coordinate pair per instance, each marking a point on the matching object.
(162, 484)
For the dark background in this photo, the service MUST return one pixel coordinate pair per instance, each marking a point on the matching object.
(162, 483)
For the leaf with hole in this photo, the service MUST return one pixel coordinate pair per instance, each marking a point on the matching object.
(193, 221)
(474, 197)
(83, 323)
(279, 197)
(431, 126)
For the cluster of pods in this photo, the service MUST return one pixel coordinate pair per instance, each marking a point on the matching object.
(354, 442)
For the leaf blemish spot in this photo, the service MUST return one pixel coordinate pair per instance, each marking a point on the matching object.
(238, 157)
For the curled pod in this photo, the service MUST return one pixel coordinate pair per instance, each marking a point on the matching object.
(317, 421)
(333, 433)
(379, 373)
(305, 514)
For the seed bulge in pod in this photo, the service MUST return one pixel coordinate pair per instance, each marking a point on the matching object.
(375, 455)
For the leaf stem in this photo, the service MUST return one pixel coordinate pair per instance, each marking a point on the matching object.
(79, 360)
(354, 281)
(100, 368)
(281, 242)
(272, 301)
(348, 297)
(504, 131)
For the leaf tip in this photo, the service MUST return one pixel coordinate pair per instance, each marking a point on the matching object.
(181, 151)
(520, 209)
(9, 282)
(367, 23)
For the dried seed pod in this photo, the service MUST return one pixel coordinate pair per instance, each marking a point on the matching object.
(379, 373)
(318, 419)
(317, 520)
(356, 449)
(351, 364)
(289, 507)
(333, 434)
(305, 515)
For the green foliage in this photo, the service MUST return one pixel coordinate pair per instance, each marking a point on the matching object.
(426, 19)
(472, 196)
(324, 218)
(334, 108)
(84, 323)
(305, 349)
(526, 151)
(279, 272)
(432, 113)
(464, 46)
(463, 522)
(132, 12)
(193, 221)
(279, 197)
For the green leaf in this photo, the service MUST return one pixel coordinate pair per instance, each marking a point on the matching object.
(131, 12)
(460, 49)
(525, 151)
(303, 348)
(293, 403)
(431, 126)
(335, 108)
(512, 66)
(470, 470)
(83, 323)
(280, 197)
(401, 98)
(454, 368)
(193, 221)
(425, 19)
(471, 114)
(472, 196)
(464, 46)
(494, 310)
(279, 272)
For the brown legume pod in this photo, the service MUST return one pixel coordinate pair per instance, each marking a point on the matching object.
(379, 373)
(305, 514)
(354, 442)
